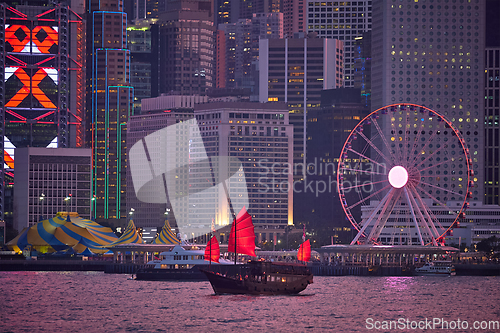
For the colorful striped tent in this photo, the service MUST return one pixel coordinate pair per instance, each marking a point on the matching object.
(166, 236)
(130, 235)
(62, 232)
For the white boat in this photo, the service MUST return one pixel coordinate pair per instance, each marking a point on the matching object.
(436, 268)
(180, 263)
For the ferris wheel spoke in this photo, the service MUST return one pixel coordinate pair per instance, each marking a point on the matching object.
(374, 147)
(429, 141)
(416, 141)
(362, 185)
(361, 171)
(405, 144)
(426, 210)
(361, 232)
(413, 215)
(434, 165)
(368, 158)
(384, 139)
(440, 188)
(423, 221)
(386, 211)
(368, 197)
(431, 196)
(428, 157)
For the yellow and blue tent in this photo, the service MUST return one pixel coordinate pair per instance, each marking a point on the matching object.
(166, 236)
(62, 232)
(129, 236)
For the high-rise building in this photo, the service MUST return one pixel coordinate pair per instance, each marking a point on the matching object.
(110, 103)
(492, 105)
(294, 14)
(284, 67)
(250, 7)
(158, 113)
(138, 10)
(241, 48)
(139, 44)
(318, 206)
(433, 55)
(183, 48)
(362, 66)
(344, 20)
(51, 180)
(260, 136)
(41, 82)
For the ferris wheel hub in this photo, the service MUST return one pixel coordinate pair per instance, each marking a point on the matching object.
(398, 176)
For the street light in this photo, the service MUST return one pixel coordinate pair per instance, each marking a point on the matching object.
(67, 199)
(42, 197)
(131, 212)
(92, 202)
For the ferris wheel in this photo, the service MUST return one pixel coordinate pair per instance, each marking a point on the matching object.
(405, 173)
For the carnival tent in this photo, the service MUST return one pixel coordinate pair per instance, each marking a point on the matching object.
(166, 236)
(130, 235)
(62, 232)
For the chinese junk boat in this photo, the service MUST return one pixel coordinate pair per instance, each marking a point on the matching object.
(257, 277)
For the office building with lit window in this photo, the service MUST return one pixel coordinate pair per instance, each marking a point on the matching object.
(342, 20)
(433, 55)
(239, 50)
(41, 82)
(183, 43)
(110, 100)
(51, 180)
(260, 136)
(284, 66)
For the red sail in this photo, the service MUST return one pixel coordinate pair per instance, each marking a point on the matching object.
(212, 251)
(304, 253)
(245, 235)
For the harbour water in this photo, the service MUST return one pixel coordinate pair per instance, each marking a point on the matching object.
(98, 302)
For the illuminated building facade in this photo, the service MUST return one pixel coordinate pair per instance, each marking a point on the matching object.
(343, 20)
(284, 66)
(110, 103)
(183, 47)
(241, 48)
(492, 105)
(260, 136)
(139, 44)
(51, 180)
(436, 61)
(41, 81)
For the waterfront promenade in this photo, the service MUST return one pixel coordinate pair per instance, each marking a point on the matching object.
(317, 269)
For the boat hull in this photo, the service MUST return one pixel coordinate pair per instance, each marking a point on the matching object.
(167, 274)
(265, 279)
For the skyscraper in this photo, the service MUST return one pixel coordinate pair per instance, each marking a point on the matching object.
(110, 104)
(492, 105)
(183, 48)
(433, 55)
(41, 80)
(296, 70)
(241, 48)
(343, 20)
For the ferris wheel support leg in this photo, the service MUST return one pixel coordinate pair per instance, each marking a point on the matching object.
(370, 218)
(384, 215)
(434, 232)
(414, 217)
(424, 222)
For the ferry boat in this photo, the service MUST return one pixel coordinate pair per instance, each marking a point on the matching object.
(436, 268)
(258, 277)
(182, 262)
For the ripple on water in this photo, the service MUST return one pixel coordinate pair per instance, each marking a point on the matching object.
(98, 302)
